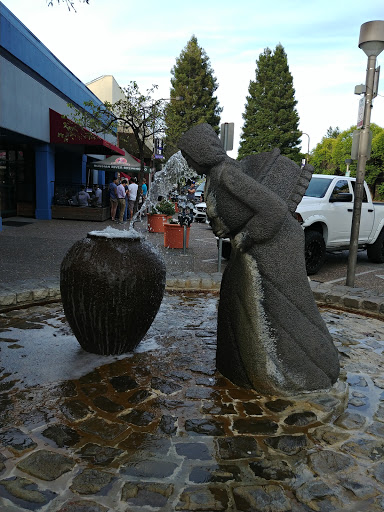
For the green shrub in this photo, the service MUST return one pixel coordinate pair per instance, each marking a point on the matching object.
(165, 207)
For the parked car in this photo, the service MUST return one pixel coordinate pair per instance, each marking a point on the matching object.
(325, 213)
(200, 212)
(199, 194)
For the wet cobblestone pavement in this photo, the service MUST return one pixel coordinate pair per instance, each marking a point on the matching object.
(161, 430)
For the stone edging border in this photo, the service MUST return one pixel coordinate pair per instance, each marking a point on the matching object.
(356, 300)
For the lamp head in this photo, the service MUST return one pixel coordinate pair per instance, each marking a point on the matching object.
(371, 39)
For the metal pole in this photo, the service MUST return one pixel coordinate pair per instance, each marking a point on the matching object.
(185, 239)
(362, 158)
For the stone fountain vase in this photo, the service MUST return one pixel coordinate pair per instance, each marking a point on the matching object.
(112, 283)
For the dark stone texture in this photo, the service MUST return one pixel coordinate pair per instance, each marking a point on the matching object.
(16, 440)
(252, 409)
(101, 289)
(261, 498)
(257, 427)
(215, 474)
(269, 326)
(238, 447)
(146, 494)
(272, 470)
(165, 386)
(123, 383)
(61, 435)
(327, 461)
(75, 410)
(25, 493)
(204, 427)
(91, 481)
(150, 469)
(193, 451)
(82, 506)
(138, 418)
(203, 498)
(287, 444)
(99, 455)
(301, 419)
(107, 405)
(102, 428)
(168, 424)
(46, 465)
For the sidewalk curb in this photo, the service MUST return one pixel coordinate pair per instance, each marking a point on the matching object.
(355, 300)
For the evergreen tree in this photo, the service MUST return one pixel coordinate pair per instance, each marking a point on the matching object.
(194, 82)
(270, 118)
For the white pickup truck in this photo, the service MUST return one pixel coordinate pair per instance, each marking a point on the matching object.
(325, 214)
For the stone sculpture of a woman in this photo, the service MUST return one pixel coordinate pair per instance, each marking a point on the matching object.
(270, 334)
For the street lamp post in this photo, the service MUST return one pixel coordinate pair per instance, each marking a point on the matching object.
(303, 133)
(371, 41)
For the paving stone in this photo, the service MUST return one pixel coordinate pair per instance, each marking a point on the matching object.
(75, 410)
(214, 474)
(139, 396)
(104, 429)
(278, 405)
(204, 427)
(91, 481)
(287, 444)
(150, 469)
(138, 418)
(193, 451)
(376, 428)
(16, 440)
(99, 455)
(146, 494)
(261, 498)
(351, 421)
(319, 496)
(238, 447)
(272, 469)
(372, 449)
(123, 383)
(360, 489)
(217, 408)
(378, 472)
(46, 465)
(107, 405)
(203, 498)
(301, 419)
(146, 444)
(168, 424)
(253, 426)
(24, 492)
(165, 386)
(83, 506)
(62, 435)
(328, 461)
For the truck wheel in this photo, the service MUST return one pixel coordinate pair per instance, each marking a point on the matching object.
(375, 251)
(314, 252)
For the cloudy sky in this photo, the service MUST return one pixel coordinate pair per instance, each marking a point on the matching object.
(140, 41)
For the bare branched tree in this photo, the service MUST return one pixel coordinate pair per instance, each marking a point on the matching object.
(68, 3)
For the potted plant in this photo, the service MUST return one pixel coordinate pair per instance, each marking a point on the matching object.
(159, 215)
(174, 232)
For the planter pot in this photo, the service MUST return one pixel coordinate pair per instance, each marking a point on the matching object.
(156, 222)
(112, 284)
(174, 236)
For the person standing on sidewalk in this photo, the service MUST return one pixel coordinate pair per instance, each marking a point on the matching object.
(113, 196)
(121, 198)
(132, 196)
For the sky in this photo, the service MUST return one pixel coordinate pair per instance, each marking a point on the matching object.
(141, 41)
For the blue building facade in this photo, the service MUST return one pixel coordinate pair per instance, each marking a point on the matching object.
(35, 89)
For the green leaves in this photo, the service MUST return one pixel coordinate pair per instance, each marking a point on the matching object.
(270, 118)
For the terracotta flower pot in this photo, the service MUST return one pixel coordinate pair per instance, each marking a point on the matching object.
(111, 288)
(156, 222)
(174, 236)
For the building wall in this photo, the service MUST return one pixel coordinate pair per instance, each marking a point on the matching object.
(106, 89)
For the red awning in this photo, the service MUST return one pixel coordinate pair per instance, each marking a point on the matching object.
(93, 144)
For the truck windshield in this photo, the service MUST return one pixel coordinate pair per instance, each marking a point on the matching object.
(317, 187)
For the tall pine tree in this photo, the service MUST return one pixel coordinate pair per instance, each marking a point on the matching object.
(194, 81)
(270, 118)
